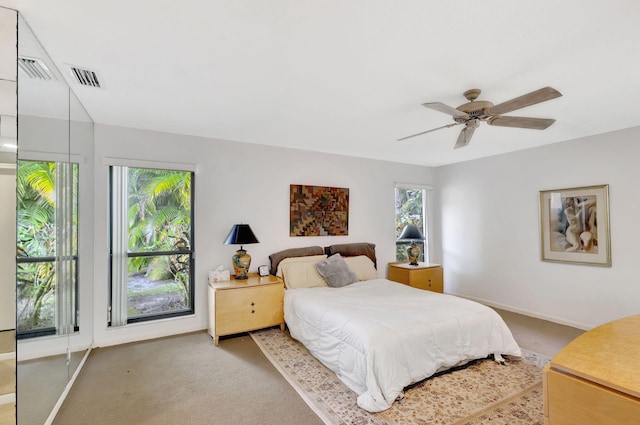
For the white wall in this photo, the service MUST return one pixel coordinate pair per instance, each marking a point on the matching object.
(7, 246)
(239, 182)
(8, 102)
(485, 233)
(490, 231)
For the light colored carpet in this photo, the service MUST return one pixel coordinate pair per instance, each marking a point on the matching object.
(539, 335)
(185, 379)
(483, 392)
(182, 380)
(8, 414)
(40, 384)
(7, 376)
(7, 341)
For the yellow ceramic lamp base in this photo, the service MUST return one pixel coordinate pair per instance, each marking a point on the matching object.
(241, 262)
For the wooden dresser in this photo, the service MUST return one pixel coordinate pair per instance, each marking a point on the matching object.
(423, 276)
(595, 379)
(237, 306)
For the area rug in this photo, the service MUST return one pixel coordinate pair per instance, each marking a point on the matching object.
(483, 392)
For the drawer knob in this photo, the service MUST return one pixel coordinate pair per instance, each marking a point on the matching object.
(253, 311)
(252, 304)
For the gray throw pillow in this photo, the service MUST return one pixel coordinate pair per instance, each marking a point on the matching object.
(336, 271)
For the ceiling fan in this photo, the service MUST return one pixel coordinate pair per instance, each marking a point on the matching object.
(473, 112)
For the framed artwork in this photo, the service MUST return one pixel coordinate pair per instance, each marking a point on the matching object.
(574, 225)
(318, 211)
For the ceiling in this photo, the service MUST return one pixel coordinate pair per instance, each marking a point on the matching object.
(348, 76)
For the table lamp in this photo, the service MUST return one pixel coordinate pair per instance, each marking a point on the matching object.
(412, 233)
(241, 234)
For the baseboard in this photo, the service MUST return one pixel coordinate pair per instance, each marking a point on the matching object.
(554, 319)
(64, 394)
(144, 331)
(7, 356)
(9, 398)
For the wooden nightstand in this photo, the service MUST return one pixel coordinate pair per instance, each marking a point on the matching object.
(424, 275)
(245, 305)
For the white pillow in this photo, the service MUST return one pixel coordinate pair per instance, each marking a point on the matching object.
(307, 259)
(302, 275)
(362, 266)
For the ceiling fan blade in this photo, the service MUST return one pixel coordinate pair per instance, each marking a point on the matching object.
(441, 107)
(521, 122)
(541, 95)
(465, 136)
(429, 131)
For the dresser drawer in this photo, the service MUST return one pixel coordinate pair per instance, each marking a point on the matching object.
(577, 401)
(241, 310)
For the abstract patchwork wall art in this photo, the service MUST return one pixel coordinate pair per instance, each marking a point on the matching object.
(318, 211)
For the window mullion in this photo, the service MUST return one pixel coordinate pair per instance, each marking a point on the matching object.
(64, 232)
(425, 226)
(119, 245)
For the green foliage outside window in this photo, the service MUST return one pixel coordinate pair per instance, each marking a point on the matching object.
(159, 215)
(409, 210)
(36, 242)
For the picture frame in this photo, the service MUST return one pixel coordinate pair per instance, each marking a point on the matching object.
(574, 225)
(318, 210)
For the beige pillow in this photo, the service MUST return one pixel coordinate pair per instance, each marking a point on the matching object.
(362, 266)
(302, 275)
(307, 259)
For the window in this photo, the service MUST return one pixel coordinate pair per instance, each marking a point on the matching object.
(151, 252)
(411, 208)
(46, 248)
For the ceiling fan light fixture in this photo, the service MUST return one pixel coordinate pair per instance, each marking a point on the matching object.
(474, 111)
(472, 94)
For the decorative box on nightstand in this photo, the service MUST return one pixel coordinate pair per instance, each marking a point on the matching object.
(245, 305)
(423, 276)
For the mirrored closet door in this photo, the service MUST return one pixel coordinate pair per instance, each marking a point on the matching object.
(55, 139)
(8, 136)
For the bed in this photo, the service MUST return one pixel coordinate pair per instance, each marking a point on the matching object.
(380, 336)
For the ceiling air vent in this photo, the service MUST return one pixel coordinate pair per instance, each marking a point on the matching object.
(85, 77)
(35, 68)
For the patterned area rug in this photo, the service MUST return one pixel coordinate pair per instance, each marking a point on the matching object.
(484, 392)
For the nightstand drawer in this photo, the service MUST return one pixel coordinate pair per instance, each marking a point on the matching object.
(245, 309)
(430, 279)
(423, 276)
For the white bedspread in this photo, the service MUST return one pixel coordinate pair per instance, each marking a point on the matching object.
(379, 336)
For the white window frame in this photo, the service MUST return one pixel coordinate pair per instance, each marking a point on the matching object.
(118, 311)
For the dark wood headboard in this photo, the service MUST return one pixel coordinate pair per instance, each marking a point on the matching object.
(345, 250)
(275, 258)
(353, 249)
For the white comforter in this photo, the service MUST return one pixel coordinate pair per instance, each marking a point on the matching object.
(379, 336)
